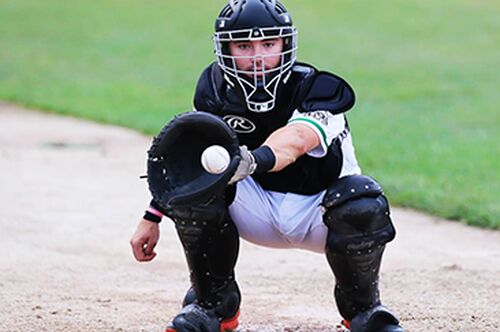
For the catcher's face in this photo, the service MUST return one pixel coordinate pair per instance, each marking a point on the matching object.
(257, 57)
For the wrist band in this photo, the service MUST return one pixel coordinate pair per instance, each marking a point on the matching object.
(153, 215)
(264, 158)
(154, 211)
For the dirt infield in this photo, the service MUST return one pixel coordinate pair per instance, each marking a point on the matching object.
(71, 197)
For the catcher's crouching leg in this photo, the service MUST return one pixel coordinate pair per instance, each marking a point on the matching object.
(357, 217)
(211, 242)
(196, 200)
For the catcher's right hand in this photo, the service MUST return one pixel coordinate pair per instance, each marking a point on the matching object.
(144, 240)
(246, 166)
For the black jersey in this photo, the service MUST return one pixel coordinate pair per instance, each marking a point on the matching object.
(305, 90)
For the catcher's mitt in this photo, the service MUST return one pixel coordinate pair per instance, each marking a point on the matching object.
(175, 174)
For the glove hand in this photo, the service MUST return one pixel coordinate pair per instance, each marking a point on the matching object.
(246, 166)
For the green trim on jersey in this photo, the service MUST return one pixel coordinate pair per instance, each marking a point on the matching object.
(315, 124)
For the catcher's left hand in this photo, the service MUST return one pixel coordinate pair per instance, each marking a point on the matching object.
(175, 174)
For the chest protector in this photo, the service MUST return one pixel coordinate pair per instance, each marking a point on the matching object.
(306, 90)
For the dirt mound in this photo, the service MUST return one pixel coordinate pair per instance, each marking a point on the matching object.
(71, 197)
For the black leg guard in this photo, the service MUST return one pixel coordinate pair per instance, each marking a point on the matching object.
(211, 255)
(359, 226)
(211, 243)
(354, 252)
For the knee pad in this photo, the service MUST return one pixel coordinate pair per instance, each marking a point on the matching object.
(357, 215)
(195, 223)
(359, 225)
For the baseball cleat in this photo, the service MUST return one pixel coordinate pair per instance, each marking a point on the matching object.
(343, 326)
(194, 318)
(376, 319)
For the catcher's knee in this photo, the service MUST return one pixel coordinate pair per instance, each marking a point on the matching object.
(357, 215)
(197, 222)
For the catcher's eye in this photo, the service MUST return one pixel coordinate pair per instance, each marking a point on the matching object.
(244, 46)
(270, 43)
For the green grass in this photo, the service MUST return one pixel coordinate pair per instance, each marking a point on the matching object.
(426, 76)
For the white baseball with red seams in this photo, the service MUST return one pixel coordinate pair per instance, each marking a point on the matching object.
(215, 159)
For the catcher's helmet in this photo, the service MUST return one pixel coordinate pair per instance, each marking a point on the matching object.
(251, 20)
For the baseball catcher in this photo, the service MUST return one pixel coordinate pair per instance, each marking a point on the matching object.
(291, 179)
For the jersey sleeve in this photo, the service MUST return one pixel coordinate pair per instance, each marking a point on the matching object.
(326, 125)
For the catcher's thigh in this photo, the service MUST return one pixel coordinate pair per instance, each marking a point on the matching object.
(278, 220)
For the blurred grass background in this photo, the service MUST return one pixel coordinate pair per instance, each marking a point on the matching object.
(426, 76)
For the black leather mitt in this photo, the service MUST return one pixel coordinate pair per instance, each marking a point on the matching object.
(175, 174)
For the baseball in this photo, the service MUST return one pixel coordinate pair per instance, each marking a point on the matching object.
(215, 159)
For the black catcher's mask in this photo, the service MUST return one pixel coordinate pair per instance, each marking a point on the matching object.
(255, 20)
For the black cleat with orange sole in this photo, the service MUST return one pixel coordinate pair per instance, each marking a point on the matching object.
(194, 318)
